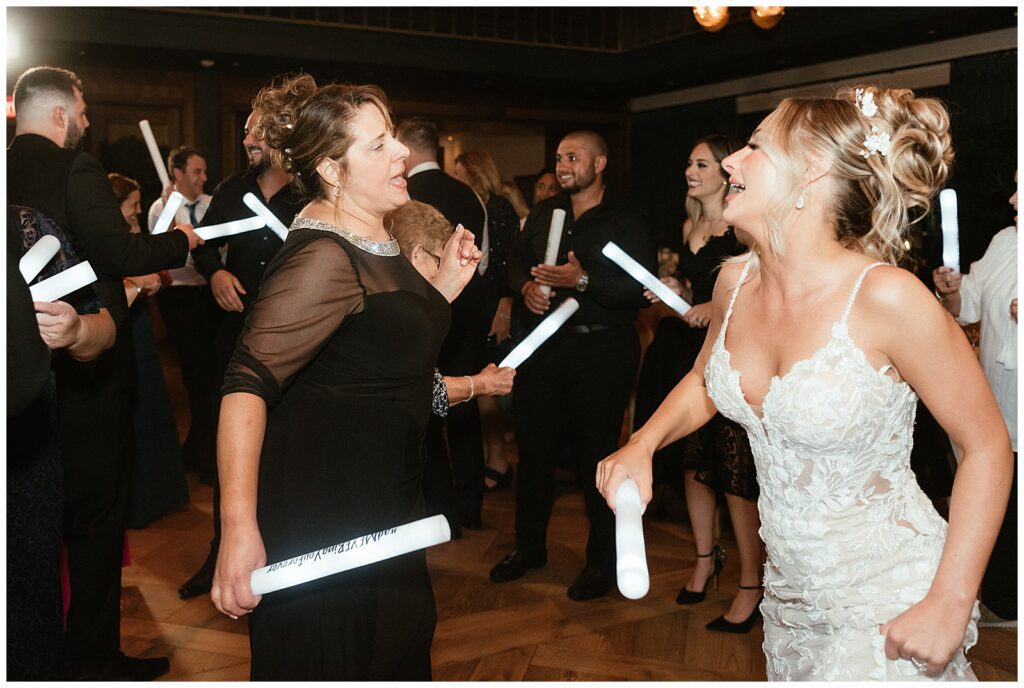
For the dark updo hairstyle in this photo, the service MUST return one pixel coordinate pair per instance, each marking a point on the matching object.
(303, 123)
(122, 186)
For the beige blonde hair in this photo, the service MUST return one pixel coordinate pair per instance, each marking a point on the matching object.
(482, 172)
(877, 198)
(418, 223)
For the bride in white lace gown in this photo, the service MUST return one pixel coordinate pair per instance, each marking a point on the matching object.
(820, 348)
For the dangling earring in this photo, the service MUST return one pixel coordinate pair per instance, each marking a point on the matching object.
(800, 201)
(337, 190)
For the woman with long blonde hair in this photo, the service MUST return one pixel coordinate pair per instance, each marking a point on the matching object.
(820, 347)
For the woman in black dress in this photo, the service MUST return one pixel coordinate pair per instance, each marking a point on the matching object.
(478, 170)
(717, 457)
(327, 397)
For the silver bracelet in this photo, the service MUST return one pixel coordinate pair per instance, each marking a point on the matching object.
(472, 388)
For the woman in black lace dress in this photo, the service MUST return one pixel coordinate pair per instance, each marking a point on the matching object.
(717, 457)
(327, 397)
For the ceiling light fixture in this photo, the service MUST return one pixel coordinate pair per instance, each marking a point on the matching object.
(767, 17)
(711, 17)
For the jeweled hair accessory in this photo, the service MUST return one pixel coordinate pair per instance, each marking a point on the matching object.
(877, 141)
(866, 102)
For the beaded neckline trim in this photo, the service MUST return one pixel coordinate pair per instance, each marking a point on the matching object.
(377, 248)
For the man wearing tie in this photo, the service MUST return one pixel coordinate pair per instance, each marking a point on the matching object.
(191, 317)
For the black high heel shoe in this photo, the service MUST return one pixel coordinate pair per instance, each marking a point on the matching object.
(689, 596)
(723, 626)
(501, 480)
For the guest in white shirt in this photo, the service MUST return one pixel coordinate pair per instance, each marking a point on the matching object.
(190, 313)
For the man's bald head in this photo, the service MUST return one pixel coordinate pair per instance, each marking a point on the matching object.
(580, 161)
(591, 139)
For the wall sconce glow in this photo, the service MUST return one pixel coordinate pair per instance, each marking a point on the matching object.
(13, 45)
(711, 17)
(767, 17)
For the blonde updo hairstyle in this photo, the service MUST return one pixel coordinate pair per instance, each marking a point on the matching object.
(303, 123)
(876, 197)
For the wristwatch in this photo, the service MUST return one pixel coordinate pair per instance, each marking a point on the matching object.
(584, 280)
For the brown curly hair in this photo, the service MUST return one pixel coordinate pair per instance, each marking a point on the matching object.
(303, 123)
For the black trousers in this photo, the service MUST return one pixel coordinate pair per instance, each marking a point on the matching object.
(573, 391)
(224, 345)
(462, 354)
(999, 586)
(94, 411)
(192, 318)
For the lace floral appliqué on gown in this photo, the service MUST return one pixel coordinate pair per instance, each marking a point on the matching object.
(852, 540)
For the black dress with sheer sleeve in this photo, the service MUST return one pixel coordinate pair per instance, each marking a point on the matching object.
(341, 345)
(719, 452)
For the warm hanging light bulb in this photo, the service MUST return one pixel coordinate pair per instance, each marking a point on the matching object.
(767, 17)
(711, 17)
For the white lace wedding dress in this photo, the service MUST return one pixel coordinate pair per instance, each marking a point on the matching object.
(852, 540)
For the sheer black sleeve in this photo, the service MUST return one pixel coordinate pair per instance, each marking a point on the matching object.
(303, 301)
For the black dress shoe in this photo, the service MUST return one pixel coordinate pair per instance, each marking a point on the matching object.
(590, 584)
(124, 668)
(515, 565)
(202, 581)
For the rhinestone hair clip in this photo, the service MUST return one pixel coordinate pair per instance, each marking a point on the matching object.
(877, 141)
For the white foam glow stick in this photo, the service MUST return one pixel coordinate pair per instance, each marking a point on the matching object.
(631, 564)
(547, 327)
(230, 228)
(63, 283)
(554, 240)
(641, 275)
(36, 258)
(154, 152)
(343, 556)
(269, 218)
(950, 229)
(163, 223)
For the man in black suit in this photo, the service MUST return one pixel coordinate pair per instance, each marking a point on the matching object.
(47, 173)
(573, 391)
(236, 285)
(462, 351)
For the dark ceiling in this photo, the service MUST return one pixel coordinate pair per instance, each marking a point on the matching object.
(614, 53)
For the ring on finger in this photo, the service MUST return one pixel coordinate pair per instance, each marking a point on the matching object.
(919, 664)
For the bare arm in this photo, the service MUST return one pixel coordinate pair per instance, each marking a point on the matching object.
(933, 356)
(84, 337)
(685, 409)
(243, 422)
(491, 381)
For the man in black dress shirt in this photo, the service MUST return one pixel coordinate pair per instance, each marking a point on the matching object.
(47, 173)
(462, 351)
(574, 389)
(236, 284)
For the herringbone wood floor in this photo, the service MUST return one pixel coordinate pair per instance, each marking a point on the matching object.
(523, 630)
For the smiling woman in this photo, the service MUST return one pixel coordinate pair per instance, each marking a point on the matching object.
(327, 397)
(820, 348)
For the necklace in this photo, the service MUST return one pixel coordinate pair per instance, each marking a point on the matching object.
(377, 248)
